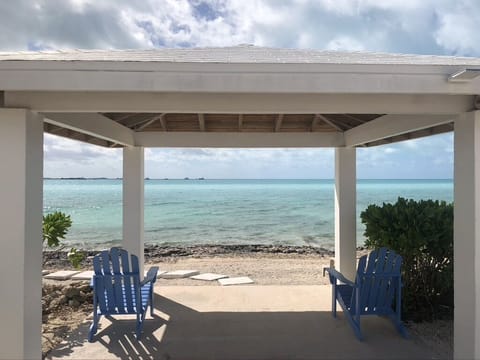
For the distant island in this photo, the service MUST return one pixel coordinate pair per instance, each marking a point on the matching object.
(106, 178)
(81, 178)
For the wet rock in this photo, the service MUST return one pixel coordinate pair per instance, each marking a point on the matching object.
(157, 251)
(74, 303)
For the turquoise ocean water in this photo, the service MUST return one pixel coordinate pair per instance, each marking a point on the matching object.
(189, 212)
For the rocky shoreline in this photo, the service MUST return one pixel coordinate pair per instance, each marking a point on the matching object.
(155, 253)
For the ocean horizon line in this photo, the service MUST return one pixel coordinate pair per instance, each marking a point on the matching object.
(221, 179)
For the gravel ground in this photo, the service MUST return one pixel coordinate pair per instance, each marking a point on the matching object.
(266, 270)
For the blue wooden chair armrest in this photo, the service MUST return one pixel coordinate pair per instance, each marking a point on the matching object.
(334, 274)
(151, 276)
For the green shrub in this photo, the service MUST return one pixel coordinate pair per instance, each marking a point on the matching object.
(422, 233)
(76, 257)
(55, 227)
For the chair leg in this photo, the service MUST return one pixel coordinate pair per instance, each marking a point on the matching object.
(397, 317)
(355, 325)
(353, 316)
(358, 332)
(397, 322)
(140, 321)
(151, 302)
(401, 329)
(94, 326)
(334, 301)
(138, 329)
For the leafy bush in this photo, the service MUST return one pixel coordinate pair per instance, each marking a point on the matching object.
(76, 257)
(422, 233)
(55, 227)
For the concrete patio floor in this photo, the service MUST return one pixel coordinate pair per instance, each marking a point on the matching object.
(242, 322)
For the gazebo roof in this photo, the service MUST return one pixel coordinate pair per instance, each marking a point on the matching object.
(241, 89)
(241, 54)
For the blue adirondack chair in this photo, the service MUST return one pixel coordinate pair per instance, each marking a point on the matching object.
(377, 290)
(117, 289)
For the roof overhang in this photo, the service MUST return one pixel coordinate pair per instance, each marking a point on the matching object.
(251, 98)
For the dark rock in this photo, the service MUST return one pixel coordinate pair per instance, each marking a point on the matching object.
(72, 292)
(85, 288)
(54, 303)
(74, 303)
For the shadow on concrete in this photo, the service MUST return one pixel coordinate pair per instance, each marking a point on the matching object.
(179, 332)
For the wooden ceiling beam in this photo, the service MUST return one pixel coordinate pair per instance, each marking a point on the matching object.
(149, 122)
(201, 122)
(327, 121)
(314, 122)
(55, 129)
(93, 124)
(278, 122)
(240, 122)
(136, 123)
(48, 127)
(123, 117)
(440, 129)
(359, 121)
(145, 124)
(163, 122)
(388, 126)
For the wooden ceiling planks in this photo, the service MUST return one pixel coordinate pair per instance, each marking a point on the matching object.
(205, 122)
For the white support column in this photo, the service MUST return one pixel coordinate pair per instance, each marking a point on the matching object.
(467, 237)
(345, 211)
(133, 201)
(21, 188)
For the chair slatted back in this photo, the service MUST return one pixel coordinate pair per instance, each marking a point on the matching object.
(116, 286)
(378, 277)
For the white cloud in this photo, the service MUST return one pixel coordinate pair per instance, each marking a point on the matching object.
(240, 163)
(428, 26)
(430, 157)
(411, 144)
(69, 158)
(390, 150)
(457, 29)
(406, 26)
(345, 43)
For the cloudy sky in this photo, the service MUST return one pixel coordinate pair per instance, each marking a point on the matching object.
(444, 27)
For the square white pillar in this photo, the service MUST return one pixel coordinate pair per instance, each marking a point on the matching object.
(466, 243)
(133, 202)
(345, 211)
(21, 189)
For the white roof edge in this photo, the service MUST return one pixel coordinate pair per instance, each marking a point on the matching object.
(244, 54)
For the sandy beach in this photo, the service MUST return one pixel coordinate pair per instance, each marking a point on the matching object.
(265, 270)
(265, 265)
